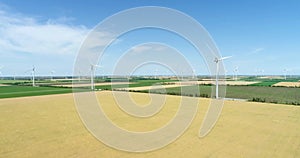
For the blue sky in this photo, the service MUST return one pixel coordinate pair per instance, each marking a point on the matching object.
(260, 35)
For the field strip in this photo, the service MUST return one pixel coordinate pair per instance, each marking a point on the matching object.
(287, 84)
(33, 91)
(3, 85)
(150, 87)
(231, 83)
(88, 84)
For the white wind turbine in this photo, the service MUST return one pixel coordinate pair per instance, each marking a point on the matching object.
(236, 70)
(285, 73)
(262, 72)
(93, 68)
(155, 73)
(32, 71)
(194, 74)
(52, 73)
(33, 75)
(256, 72)
(217, 61)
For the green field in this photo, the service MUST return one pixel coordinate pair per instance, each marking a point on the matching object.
(12, 81)
(268, 82)
(22, 91)
(22, 88)
(282, 95)
(137, 83)
(259, 92)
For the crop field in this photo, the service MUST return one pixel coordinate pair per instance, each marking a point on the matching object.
(49, 126)
(149, 87)
(21, 91)
(88, 84)
(21, 88)
(262, 91)
(287, 84)
(230, 83)
(281, 95)
(267, 83)
(135, 83)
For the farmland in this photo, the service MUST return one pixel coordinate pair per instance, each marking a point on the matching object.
(149, 79)
(49, 126)
(281, 95)
(251, 90)
(22, 91)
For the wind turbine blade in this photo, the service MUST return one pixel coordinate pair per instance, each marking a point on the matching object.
(225, 58)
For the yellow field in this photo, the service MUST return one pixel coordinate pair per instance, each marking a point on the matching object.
(287, 84)
(49, 126)
(150, 87)
(3, 85)
(231, 83)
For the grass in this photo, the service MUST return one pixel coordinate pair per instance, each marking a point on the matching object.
(22, 91)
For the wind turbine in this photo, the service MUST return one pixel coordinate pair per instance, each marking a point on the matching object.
(262, 72)
(194, 74)
(236, 69)
(93, 67)
(256, 71)
(155, 73)
(52, 72)
(33, 75)
(217, 61)
(285, 73)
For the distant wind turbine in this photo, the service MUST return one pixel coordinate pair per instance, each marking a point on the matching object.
(33, 75)
(194, 74)
(217, 61)
(236, 69)
(93, 68)
(256, 72)
(285, 73)
(155, 73)
(52, 72)
(262, 72)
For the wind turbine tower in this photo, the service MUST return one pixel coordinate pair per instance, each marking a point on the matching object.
(93, 68)
(236, 69)
(217, 61)
(285, 73)
(33, 76)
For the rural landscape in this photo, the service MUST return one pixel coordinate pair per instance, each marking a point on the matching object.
(147, 79)
(258, 119)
